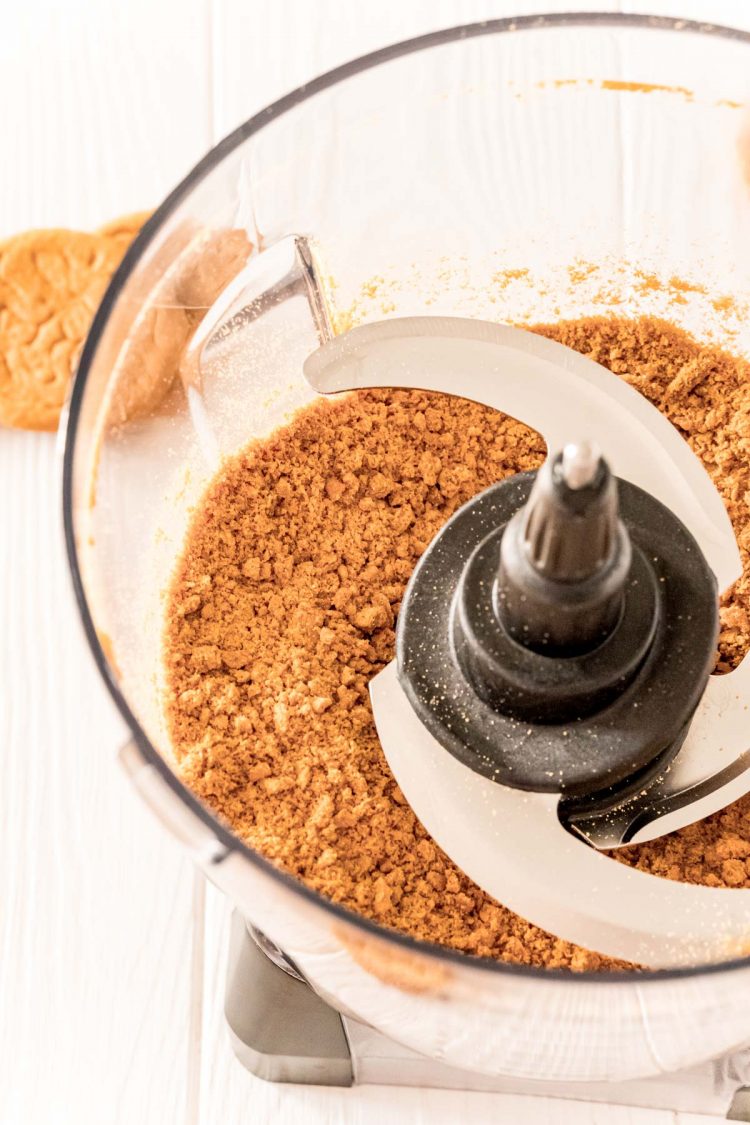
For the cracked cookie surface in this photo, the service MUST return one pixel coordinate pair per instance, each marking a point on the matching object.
(51, 282)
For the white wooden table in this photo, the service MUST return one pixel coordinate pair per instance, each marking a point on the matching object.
(111, 948)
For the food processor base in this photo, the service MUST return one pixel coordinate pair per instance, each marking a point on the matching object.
(279, 1028)
(284, 1032)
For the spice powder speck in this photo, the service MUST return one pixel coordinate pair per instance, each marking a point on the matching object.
(284, 603)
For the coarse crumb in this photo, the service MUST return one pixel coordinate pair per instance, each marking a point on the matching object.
(284, 604)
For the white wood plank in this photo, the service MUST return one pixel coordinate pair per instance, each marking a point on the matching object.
(96, 904)
(104, 106)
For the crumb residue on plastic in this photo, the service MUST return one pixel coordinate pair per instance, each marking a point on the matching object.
(645, 88)
(503, 278)
(107, 647)
(580, 288)
(619, 85)
(579, 271)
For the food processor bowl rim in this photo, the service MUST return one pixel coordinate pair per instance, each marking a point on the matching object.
(71, 417)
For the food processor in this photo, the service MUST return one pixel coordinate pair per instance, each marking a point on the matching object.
(396, 223)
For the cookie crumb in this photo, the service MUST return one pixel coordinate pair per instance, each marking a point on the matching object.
(341, 503)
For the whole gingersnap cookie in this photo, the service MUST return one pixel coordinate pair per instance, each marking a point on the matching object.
(51, 282)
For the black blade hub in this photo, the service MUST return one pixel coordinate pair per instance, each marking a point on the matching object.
(558, 633)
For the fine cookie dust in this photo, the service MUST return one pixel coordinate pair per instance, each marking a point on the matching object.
(284, 603)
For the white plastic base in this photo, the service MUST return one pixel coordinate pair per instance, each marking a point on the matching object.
(284, 1032)
(713, 1088)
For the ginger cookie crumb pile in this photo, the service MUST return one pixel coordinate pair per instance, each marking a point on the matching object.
(283, 607)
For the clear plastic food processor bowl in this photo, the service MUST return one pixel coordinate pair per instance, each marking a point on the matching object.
(522, 170)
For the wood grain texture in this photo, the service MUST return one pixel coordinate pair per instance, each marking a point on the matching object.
(105, 107)
(96, 904)
(112, 953)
